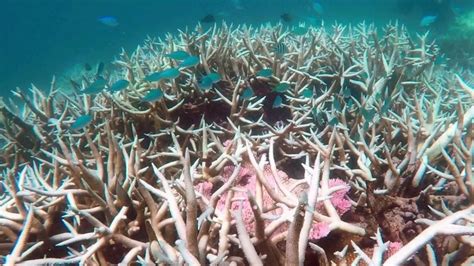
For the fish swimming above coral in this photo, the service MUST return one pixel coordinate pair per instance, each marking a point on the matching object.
(189, 62)
(87, 67)
(95, 87)
(428, 20)
(286, 17)
(81, 122)
(178, 55)
(209, 18)
(119, 85)
(153, 95)
(266, 72)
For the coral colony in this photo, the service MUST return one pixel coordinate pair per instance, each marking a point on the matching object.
(246, 146)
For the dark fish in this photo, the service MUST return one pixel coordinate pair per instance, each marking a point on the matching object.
(286, 17)
(208, 19)
(87, 67)
(81, 122)
(280, 49)
(100, 68)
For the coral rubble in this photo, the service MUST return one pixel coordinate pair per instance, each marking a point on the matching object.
(246, 146)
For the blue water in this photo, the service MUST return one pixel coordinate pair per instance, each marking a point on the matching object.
(42, 38)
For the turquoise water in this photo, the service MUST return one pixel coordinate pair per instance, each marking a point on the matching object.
(41, 38)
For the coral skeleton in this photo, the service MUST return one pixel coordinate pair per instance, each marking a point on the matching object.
(244, 154)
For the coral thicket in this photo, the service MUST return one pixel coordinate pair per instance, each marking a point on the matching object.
(242, 145)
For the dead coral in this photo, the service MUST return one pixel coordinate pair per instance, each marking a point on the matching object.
(157, 178)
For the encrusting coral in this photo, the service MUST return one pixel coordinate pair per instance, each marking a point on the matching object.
(241, 145)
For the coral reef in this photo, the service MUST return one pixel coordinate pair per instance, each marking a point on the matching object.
(241, 145)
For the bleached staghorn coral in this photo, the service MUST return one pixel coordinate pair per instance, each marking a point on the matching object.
(375, 111)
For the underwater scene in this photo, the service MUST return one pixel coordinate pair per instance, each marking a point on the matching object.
(237, 132)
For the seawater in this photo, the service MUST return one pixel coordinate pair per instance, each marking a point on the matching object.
(42, 38)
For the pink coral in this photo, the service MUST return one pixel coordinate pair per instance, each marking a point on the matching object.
(338, 198)
(319, 230)
(393, 247)
(246, 181)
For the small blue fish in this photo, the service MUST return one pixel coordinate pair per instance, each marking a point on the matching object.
(277, 102)
(153, 96)
(206, 83)
(247, 93)
(119, 85)
(428, 20)
(189, 62)
(155, 76)
(81, 122)
(215, 77)
(282, 87)
(96, 87)
(266, 73)
(110, 21)
(178, 55)
(170, 73)
(307, 93)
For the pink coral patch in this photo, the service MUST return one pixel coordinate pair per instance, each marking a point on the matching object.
(319, 230)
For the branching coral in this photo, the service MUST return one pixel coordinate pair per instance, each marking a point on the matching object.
(371, 137)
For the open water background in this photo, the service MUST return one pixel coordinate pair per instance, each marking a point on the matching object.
(42, 38)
